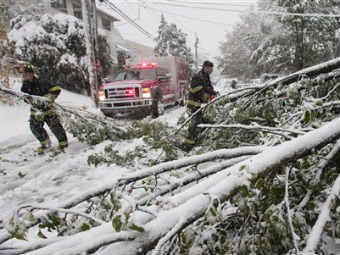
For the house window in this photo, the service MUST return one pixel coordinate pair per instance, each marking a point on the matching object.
(77, 11)
(59, 4)
(106, 23)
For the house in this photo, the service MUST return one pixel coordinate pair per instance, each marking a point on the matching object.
(137, 49)
(105, 22)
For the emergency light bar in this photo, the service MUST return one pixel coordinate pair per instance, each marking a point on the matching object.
(147, 65)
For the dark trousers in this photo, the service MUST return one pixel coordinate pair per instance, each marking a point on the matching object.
(194, 131)
(52, 120)
(154, 109)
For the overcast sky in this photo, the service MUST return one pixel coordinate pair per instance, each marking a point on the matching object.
(209, 19)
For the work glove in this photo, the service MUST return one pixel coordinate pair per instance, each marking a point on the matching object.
(44, 104)
(39, 115)
(51, 97)
(28, 99)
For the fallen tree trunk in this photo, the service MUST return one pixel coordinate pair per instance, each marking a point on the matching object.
(192, 178)
(220, 187)
(324, 216)
(192, 160)
(309, 72)
(158, 169)
(228, 180)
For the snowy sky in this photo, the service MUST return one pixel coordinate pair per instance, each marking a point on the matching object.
(209, 19)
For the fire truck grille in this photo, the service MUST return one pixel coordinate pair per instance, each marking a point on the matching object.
(122, 93)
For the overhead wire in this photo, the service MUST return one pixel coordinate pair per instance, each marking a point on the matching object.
(235, 4)
(146, 7)
(256, 11)
(190, 18)
(127, 18)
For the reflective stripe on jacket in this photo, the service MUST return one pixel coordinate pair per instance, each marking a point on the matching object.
(200, 90)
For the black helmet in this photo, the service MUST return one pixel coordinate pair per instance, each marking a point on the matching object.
(207, 63)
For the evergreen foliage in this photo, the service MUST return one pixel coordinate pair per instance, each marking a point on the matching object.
(171, 41)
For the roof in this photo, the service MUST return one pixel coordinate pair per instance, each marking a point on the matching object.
(138, 48)
(103, 10)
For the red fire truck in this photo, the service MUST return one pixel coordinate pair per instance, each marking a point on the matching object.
(134, 88)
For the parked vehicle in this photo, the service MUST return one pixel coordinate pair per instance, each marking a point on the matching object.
(135, 88)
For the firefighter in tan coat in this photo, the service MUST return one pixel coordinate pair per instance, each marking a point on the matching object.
(42, 111)
(200, 92)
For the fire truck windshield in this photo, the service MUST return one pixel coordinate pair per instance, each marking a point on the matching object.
(137, 74)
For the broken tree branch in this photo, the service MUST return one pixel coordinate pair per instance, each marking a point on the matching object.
(314, 236)
(89, 217)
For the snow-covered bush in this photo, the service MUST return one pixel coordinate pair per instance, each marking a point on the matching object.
(55, 44)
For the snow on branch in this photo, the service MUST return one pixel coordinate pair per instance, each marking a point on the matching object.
(273, 130)
(78, 243)
(291, 78)
(191, 178)
(168, 166)
(32, 207)
(232, 96)
(221, 186)
(295, 237)
(225, 182)
(196, 159)
(320, 167)
(314, 236)
(89, 115)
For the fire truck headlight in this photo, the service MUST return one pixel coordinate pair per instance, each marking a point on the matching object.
(146, 93)
(101, 95)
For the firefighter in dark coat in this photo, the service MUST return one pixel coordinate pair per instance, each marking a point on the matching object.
(201, 91)
(42, 111)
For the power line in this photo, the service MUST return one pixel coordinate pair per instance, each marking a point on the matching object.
(187, 17)
(235, 4)
(161, 11)
(127, 18)
(196, 7)
(199, 3)
(263, 12)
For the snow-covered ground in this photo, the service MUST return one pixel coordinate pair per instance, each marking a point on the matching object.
(27, 178)
(53, 181)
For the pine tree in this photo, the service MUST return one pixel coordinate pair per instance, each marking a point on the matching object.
(161, 46)
(171, 41)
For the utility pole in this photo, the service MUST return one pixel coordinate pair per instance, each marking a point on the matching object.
(196, 54)
(95, 28)
(90, 25)
(337, 44)
(4, 60)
